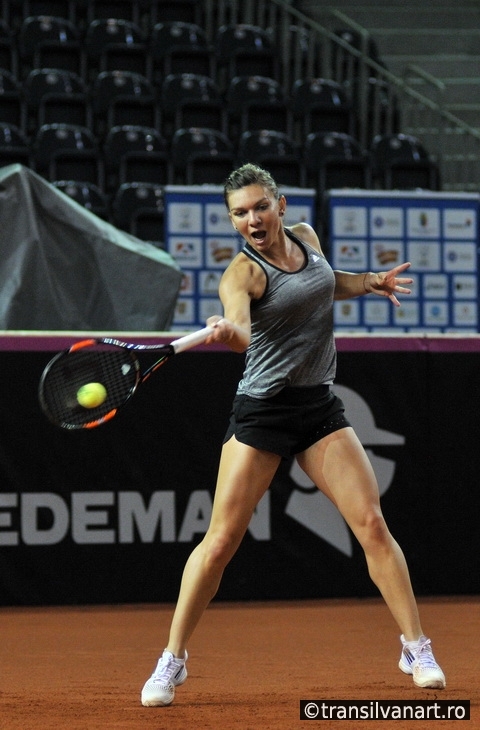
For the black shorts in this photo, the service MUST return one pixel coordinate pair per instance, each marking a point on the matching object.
(287, 423)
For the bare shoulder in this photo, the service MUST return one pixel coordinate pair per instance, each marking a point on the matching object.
(244, 274)
(307, 233)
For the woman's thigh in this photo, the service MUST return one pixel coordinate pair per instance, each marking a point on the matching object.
(340, 468)
(244, 475)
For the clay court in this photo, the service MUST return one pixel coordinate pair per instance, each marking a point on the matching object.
(251, 664)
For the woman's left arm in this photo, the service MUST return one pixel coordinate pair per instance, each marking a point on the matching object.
(385, 284)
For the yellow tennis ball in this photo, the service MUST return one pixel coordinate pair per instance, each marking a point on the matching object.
(91, 395)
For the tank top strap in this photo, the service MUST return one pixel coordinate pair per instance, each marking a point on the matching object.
(249, 251)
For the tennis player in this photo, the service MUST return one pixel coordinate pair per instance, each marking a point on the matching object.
(278, 295)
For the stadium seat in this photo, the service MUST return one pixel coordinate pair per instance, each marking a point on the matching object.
(276, 152)
(115, 44)
(14, 146)
(201, 156)
(138, 208)
(56, 96)
(135, 154)
(86, 194)
(177, 47)
(335, 160)
(68, 152)
(382, 105)
(49, 42)
(401, 162)
(257, 102)
(191, 100)
(123, 97)
(321, 105)
(12, 104)
(245, 50)
(302, 53)
(8, 49)
(344, 64)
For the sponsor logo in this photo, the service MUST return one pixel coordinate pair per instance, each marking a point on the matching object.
(310, 507)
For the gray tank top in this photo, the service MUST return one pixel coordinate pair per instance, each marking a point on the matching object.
(292, 342)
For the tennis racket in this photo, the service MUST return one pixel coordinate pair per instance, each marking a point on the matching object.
(111, 367)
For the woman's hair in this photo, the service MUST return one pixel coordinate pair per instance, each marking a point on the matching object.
(249, 174)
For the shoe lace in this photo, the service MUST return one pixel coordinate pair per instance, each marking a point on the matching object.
(165, 669)
(425, 656)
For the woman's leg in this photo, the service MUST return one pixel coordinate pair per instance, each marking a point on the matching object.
(244, 476)
(340, 468)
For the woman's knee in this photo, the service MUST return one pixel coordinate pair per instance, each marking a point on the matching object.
(219, 548)
(373, 532)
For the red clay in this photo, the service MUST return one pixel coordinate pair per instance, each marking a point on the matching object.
(250, 665)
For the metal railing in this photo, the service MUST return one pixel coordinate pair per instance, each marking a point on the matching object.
(383, 102)
(454, 143)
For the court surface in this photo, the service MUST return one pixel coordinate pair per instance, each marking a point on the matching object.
(251, 664)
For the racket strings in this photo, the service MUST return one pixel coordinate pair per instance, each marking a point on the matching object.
(117, 371)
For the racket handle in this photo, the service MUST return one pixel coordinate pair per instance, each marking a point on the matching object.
(192, 339)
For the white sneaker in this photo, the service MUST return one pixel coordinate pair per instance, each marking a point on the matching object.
(159, 690)
(417, 659)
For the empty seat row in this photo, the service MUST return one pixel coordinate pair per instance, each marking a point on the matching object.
(55, 95)
(137, 208)
(112, 43)
(82, 12)
(201, 155)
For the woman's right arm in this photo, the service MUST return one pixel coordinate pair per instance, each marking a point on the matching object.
(235, 292)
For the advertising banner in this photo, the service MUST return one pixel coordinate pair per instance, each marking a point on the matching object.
(437, 232)
(110, 515)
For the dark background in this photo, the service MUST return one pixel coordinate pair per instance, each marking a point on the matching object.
(168, 438)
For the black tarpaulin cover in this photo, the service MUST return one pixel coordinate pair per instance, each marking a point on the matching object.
(64, 268)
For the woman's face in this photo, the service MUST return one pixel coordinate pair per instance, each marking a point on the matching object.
(256, 214)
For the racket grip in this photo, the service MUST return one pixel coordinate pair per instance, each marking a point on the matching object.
(192, 339)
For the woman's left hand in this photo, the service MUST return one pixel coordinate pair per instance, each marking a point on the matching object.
(386, 283)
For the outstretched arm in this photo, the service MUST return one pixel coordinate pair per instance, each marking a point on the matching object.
(237, 287)
(384, 283)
